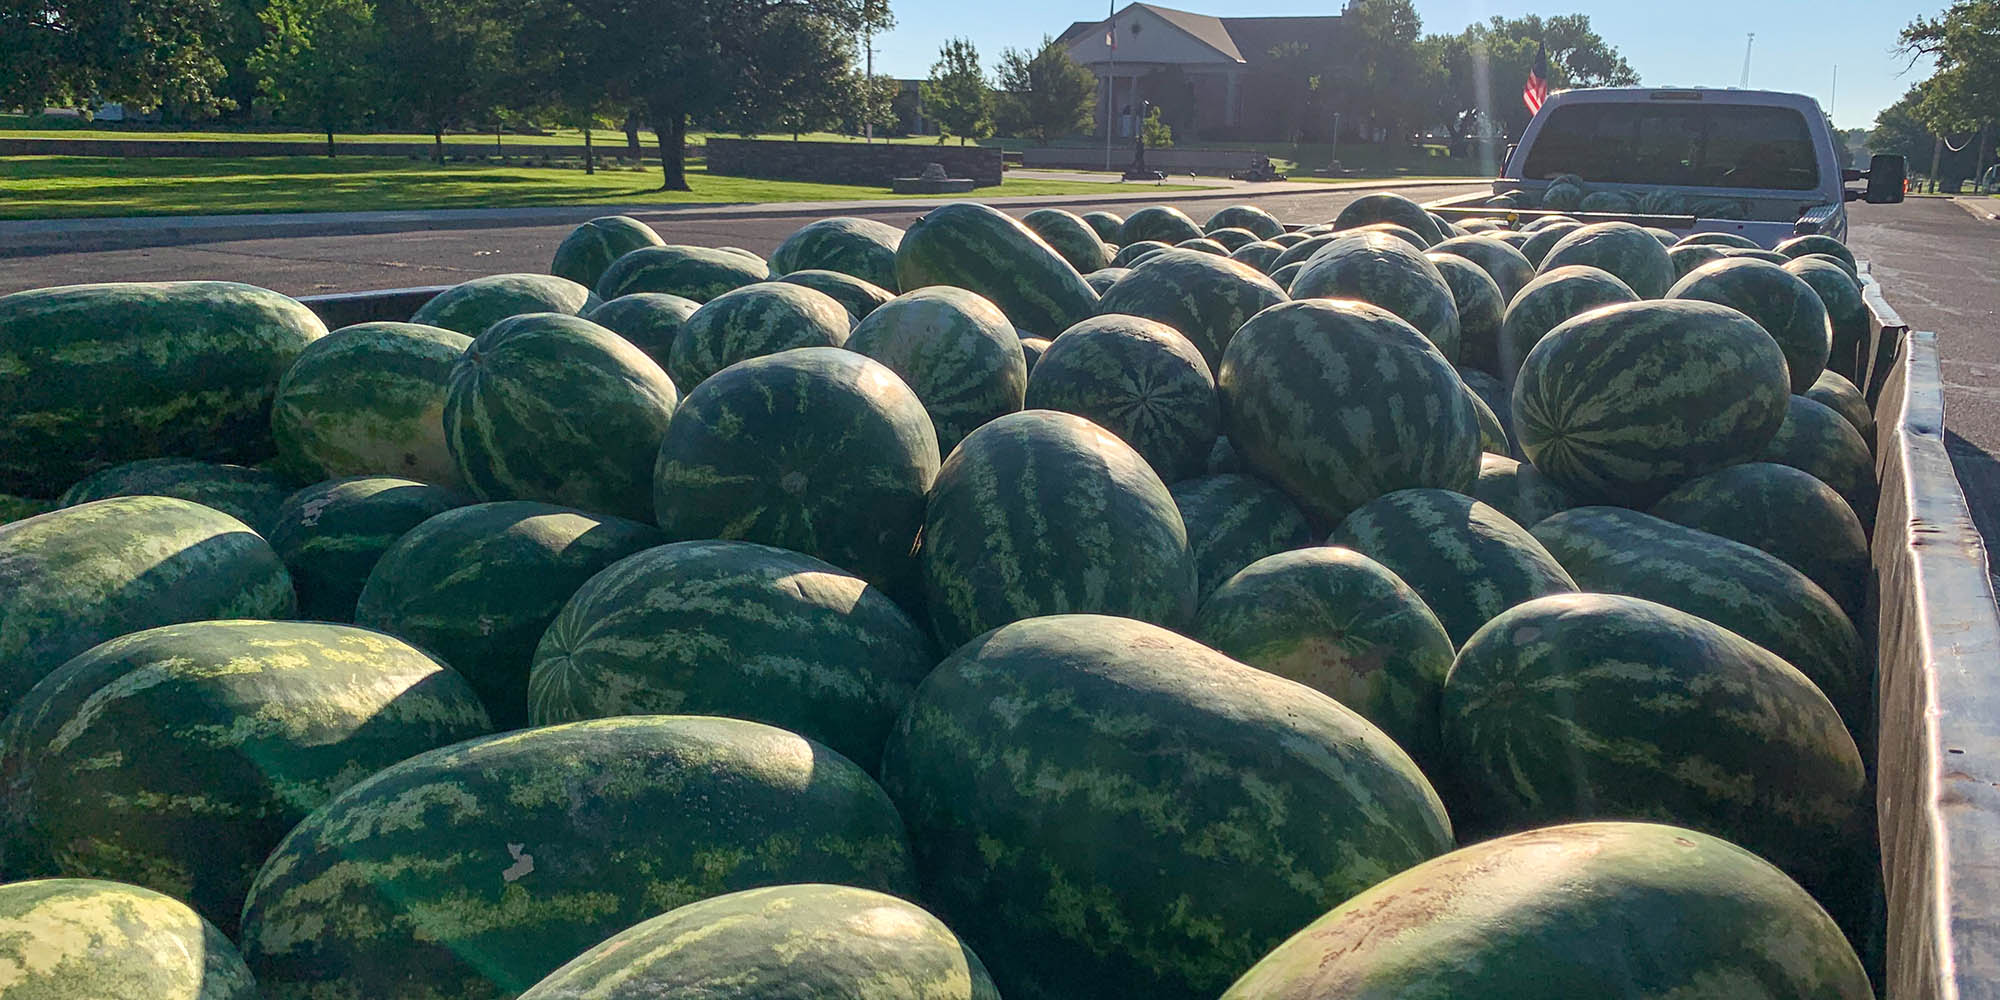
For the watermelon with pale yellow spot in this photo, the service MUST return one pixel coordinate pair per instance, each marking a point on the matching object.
(65, 938)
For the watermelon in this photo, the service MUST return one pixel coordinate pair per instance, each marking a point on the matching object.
(470, 307)
(1223, 458)
(860, 297)
(1263, 225)
(782, 941)
(955, 350)
(1232, 239)
(1495, 405)
(1103, 278)
(64, 938)
(1067, 234)
(1467, 560)
(1846, 264)
(1284, 275)
(479, 585)
(1587, 705)
(1158, 222)
(1032, 349)
(1481, 308)
(1203, 297)
(1542, 239)
(1518, 490)
(1384, 271)
(1387, 206)
(650, 320)
(736, 629)
(1232, 521)
(1340, 402)
(1687, 257)
(1139, 380)
(697, 273)
(1596, 410)
(1104, 224)
(1289, 239)
(88, 381)
(1492, 433)
(1660, 201)
(1404, 233)
(1545, 221)
(741, 252)
(1767, 256)
(1786, 513)
(818, 450)
(1261, 255)
(197, 812)
(1799, 246)
(73, 578)
(1204, 245)
(1786, 307)
(1846, 311)
(1612, 550)
(1836, 393)
(1584, 910)
(1719, 240)
(558, 409)
(1501, 262)
(751, 322)
(246, 494)
(1132, 253)
(330, 535)
(982, 250)
(1236, 805)
(13, 508)
(1042, 513)
(368, 399)
(1563, 197)
(1815, 438)
(1305, 249)
(1621, 249)
(473, 871)
(1344, 625)
(1515, 239)
(1607, 202)
(1667, 237)
(583, 255)
(863, 248)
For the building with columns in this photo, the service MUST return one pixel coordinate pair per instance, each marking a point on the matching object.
(1212, 77)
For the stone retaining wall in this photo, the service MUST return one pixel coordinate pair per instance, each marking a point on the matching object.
(872, 164)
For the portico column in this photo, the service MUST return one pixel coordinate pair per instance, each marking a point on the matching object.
(1229, 102)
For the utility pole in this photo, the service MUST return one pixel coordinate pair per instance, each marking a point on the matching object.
(1746, 60)
(1835, 93)
(1110, 78)
(1937, 158)
(868, 84)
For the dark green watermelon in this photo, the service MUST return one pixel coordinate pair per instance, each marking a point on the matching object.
(1234, 520)
(1158, 222)
(1621, 249)
(1232, 238)
(956, 351)
(1501, 262)
(1497, 401)
(1105, 224)
(650, 320)
(1204, 245)
(1799, 246)
(1262, 224)
(751, 322)
(1481, 306)
(1818, 440)
(1545, 303)
(860, 297)
(330, 535)
(1387, 206)
(1101, 280)
(368, 399)
(1846, 310)
(247, 494)
(1406, 234)
(469, 307)
(1139, 380)
(1032, 349)
(1719, 240)
(1542, 239)
(1785, 512)
(1262, 255)
(65, 938)
(1070, 236)
(1688, 256)
(1786, 307)
(1833, 391)
(982, 250)
(698, 273)
(1204, 297)
(1131, 253)
(863, 248)
(583, 255)
(1384, 271)
(1518, 490)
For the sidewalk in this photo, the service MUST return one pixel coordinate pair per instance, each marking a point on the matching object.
(36, 237)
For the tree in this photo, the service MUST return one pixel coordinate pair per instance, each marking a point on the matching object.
(1155, 132)
(1377, 73)
(871, 101)
(956, 96)
(798, 76)
(1900, 130)
(1963, 92)
(1045, 94)
(1484, 66)
(443, 60)
(553, 75)
(149, 53)
(313, 65)
(1297, 74)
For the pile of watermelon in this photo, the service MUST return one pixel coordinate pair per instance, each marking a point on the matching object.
(1571, 193)
(1073, 607)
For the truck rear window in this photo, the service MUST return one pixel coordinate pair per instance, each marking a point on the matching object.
(1721, 145)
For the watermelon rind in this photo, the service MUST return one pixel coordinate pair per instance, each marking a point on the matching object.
(860, 297)
(1622, 249)
(75, 938)
(650, 320)
(366, 400)
(250, 495)
(1203, 297)
(978, 248)
(1779, 301)
(469, 307)
(1139, 380)
(331, 534)
(698, 273)
(1156, 222)
(751, 322)
(955, 350)
(864, 248)
(1785, 512)
(1387, 206)
(583, 255)
(1382, 270)
(1234, 520)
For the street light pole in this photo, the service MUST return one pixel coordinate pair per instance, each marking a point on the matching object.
(868, 85)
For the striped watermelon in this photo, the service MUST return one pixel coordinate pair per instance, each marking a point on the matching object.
(1543, 239)
(64, 938)
(1818, 440)
(1204, 297)
(1283, 275)
(1248, 217)
(73, 578)
(1492, 433)
(330, 535)
(751, 322)
(1846, 311)
(1719, 240)
(1786, 307)
(366, 400)
(1585, 910)
(1621, 404)
(246, 494)
(469, 307)
(1384, 271)
(1042, 513)
(1387, 206)
(1786, 513)
(1262, 255)
(1104, 224)
(1497, 402)
(1687, 256)
(1404, 233)
(1139, 380)
(1845, 263)
(1607, 203)
(479, 585)
(863, 248)
(1131, 253)
(955, 350)
(1799, 246)
(1339, 402)
(1290, 239)
(736, 629)
(558, 409)
(1223, 458)
(982, 250)
(1231, 238)
(1203, 245)
(88, 382)
(1467, 560)
(1158, 222)
(1232, 521)
(473, 871)
(1101, 280)
(1767, 256)
(13, 508)
(1621, 249)
(817, 450)
(583, 255)
(1518, 490)
(1067, 234)
(650, 320)
(698, 273)
(783, 941)
(1481, 308)
(1544, 304)
(1501, 262)
(1032, 349)
(1584, 706)
(1104, 809)
(1833, 391)
(1612, 550)
(860, 297)
(1542, 222)
(196, 813)
(1344, 625)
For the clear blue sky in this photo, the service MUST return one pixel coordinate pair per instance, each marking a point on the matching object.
(1679, 42)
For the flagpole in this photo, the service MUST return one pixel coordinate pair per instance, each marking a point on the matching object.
(1110, 75)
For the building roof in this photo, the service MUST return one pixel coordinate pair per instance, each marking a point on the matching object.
(1237, 39)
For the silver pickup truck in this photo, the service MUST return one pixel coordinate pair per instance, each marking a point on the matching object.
(1758, 163)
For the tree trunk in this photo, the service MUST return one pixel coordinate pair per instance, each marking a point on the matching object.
(329, 138)
(497, 151)
(672, 132)
(589, 162)
(632, 138)
(437, 143)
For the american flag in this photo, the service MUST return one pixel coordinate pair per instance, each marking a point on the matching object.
(1536, 90)
(1111, 28)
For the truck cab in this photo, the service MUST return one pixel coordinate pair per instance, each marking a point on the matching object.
(1757, 163)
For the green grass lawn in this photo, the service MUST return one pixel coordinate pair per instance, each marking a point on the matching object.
(25, 127)
(51, 187)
